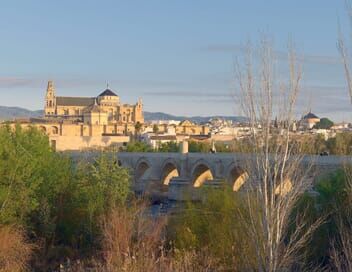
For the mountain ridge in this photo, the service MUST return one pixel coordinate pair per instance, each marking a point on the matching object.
(11, 113)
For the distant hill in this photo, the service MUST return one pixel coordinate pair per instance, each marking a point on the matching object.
(148, 116)
(10, 113)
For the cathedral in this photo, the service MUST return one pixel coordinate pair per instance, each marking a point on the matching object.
(105, 109)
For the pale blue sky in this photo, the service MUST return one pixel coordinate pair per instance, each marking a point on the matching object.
(176, 55)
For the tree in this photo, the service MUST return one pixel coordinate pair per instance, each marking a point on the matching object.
(138, 128)
(25, 158)
(324, 123)
(110, 183)
(215, 225)
(155, 128)
(37, 190)
(169, 147)
(138, 147)
(195, 147)
(275, 176)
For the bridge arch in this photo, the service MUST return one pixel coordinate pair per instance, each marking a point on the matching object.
(169, 170)
(237, 177)
(141, 169)
(284, 187)
(201, 173)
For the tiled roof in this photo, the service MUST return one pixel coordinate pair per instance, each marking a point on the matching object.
(74, 101)
(164, 138)
(93, 108)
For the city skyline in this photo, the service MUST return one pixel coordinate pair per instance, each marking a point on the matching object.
(177, 56)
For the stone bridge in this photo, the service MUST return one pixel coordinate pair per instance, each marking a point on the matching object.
(176, 176)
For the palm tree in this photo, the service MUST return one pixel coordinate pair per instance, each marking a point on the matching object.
(137, 129)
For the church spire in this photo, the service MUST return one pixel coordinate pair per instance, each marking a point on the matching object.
(50, 90)
(50, 100)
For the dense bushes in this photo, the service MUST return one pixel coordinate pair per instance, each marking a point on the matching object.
(216, 226)
(341, 144)
(59, 204)
(138, 147)
(333, 203)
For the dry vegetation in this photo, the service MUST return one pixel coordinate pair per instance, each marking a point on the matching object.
(15, 251)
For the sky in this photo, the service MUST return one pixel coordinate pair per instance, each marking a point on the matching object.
(178, 56)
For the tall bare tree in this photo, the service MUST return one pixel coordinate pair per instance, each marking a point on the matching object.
(341, 252)
(343, 50)
(276, 175)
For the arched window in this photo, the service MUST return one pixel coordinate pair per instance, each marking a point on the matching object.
(42, 128)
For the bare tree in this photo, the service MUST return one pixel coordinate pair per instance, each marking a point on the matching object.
(276, 176)
(342, 48)
(341, 252)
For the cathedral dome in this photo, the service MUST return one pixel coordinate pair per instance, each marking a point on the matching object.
(310, 116)
(107, 92)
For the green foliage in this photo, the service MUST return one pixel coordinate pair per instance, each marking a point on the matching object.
(138, 147)
(104, 183)
(168, 147)
(339, 145)
(194, 147)
(138, 127)
(24, 169)
(324, 123)
(155, 128)
(223, 147)
(242, 145)
(54, 200)
(331, 203)
(217, 225)
(312, 144)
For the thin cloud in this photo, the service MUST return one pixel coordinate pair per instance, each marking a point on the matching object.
(188, 94)
(23, 82)
(281, 55)
(15, 82)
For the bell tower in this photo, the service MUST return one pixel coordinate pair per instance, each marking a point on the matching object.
(50, 100)
(138, 112)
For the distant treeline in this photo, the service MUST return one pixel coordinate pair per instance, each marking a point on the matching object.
(315, 144)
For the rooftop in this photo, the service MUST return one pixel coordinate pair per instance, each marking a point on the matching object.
(310, 116)
(108, 92)
(74, 101)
